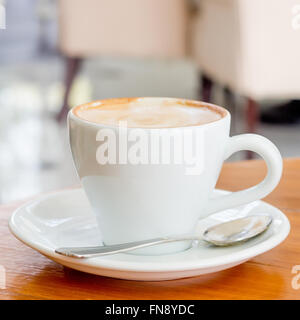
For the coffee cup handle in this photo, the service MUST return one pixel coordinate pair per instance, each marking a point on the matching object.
(269, 152)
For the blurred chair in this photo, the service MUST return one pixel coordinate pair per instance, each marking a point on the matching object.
(134, 28)
(250, 47)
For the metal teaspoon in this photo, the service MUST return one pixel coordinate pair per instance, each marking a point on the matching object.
(223, 234)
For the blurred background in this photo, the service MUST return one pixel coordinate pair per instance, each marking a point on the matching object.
(54, 54)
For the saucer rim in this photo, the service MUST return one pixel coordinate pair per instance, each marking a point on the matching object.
(137, 266)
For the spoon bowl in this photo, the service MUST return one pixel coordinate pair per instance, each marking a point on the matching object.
(238, 230)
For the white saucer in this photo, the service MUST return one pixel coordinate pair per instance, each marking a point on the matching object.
(65, 219)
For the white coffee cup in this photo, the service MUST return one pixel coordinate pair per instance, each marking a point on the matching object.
(137, 201)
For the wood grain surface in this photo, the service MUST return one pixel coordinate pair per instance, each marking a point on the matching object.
(29, 275)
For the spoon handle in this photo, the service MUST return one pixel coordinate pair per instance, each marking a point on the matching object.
(89, 252)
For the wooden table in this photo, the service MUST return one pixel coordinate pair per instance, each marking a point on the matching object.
(32, 276)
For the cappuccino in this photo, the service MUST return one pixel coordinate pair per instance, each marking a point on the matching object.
(145, 183)
(149, 112)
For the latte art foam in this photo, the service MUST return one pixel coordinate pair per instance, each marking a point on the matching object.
(147, 113)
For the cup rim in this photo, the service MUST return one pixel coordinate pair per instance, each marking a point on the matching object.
(224, 112)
